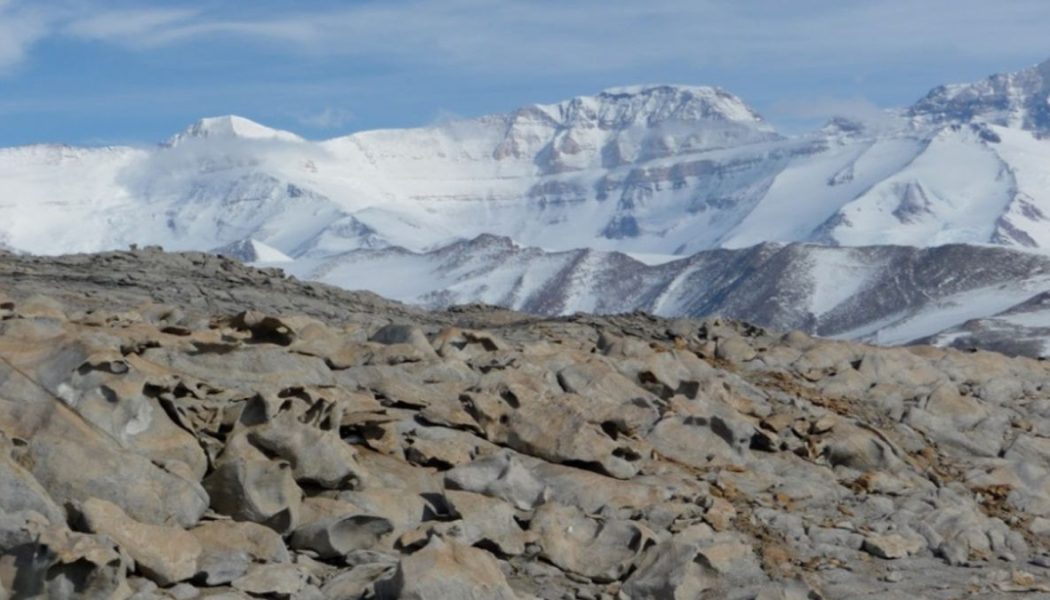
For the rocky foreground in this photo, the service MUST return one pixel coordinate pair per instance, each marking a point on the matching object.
(181, 426)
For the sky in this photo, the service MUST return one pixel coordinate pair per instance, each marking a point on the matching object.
(96, 72)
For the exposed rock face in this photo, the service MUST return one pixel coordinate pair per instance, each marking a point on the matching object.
(959, 295)
(165, 554)
(310, 443)
(1007, 99)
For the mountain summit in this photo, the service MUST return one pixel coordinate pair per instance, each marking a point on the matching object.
(629, 124)
(649, 105)
(230, 127)
(1020, 99)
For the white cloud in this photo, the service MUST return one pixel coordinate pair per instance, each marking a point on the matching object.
(129, 25)
(21, 26)
(542, 37)
(327, 118)
(824, 107)
(588, 35)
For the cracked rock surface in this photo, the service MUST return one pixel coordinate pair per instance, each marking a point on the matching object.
(182, 426)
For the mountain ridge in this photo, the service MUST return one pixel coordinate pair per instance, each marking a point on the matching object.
(652, 170)
(883, 294)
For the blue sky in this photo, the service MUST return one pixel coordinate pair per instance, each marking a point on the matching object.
(115, 71)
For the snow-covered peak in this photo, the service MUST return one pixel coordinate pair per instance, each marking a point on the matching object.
(625, 125)
(230, 127)
(650, 105)
(1020, 99)
(252, 251)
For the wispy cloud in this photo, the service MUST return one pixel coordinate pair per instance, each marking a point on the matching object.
(825, 107)
(21, 26)
(542, 36)
(138, 26)
(167, 62)
(327, 118)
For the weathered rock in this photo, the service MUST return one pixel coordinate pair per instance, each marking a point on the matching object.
(166, 555)
(401, 510)
(731, 559)
(70, 458)
(248, 368)
(20, 491)
(446, 570)
(229, 548)
(486, 520)
(357, 582)
(668, 570)
(891, 546)
(248, 486)
(601, 551)
(405, 334)
(590, 457)
(73, 461)
(38, 559)
(557, 430)
(281, 581)
(315, 455)
(337, 536)
(501, 475)
(108, 390)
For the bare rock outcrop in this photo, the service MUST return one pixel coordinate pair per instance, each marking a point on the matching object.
(208, 439)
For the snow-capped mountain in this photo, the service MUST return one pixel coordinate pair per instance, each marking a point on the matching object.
(651, 171)
(884, 294)
(231, 127)
(1017, 100)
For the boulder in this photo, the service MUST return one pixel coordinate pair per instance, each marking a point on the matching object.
(446, 570)
(166, 555)
(558, 429)
(358, 581)
(503, 475)
(41, 560)
(279, 581)
(405, 334)
(72, 460)
(229, 548)
(249, 486)
(316, 456)
(601, 550)
(398, 509)
(70, 457)
(891, 546)
(247, 369)
(486, 520)
(108, 390)
(668, 570)
(335, 537)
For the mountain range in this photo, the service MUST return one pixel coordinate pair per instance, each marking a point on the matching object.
(929, 222)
